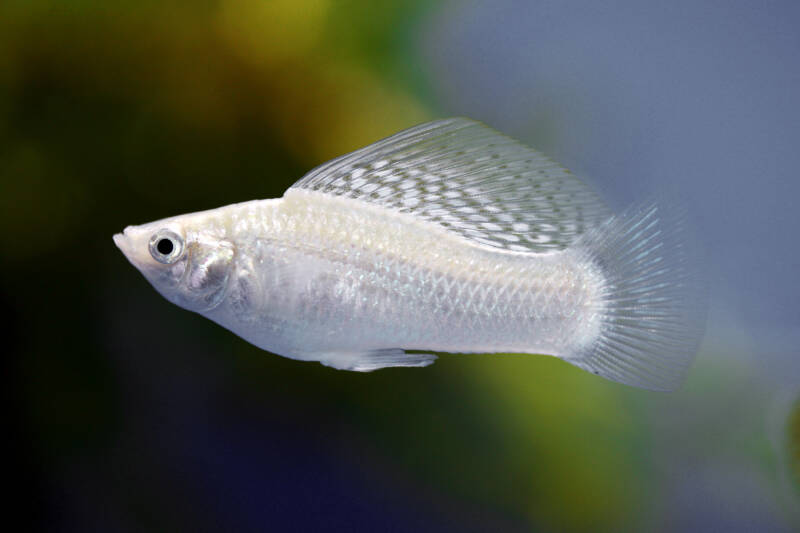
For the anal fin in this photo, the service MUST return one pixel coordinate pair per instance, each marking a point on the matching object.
(375, 359)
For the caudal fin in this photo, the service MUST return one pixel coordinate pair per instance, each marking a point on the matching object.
(653, 312)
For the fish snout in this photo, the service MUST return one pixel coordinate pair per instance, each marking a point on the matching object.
(132, 242)
(119, 240)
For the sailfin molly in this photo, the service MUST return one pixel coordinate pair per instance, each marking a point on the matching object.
(446, 237)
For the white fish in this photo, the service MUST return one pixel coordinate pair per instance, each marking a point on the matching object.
(446, 237)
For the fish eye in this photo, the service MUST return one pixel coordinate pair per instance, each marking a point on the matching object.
(166, 246)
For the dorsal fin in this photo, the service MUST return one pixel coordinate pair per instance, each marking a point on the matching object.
(470, 179)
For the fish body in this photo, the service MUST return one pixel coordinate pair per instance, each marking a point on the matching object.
(448, 237)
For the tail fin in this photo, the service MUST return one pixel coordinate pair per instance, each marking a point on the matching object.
(653, 312)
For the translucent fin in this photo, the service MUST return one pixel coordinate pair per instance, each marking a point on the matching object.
(471, 180)
(654, 303)
(369, 361)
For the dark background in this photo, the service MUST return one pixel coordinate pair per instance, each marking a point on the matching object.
(130, 414)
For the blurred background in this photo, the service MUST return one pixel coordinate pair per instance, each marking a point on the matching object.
(130, 414)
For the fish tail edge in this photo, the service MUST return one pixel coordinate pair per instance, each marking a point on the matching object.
(653, 302)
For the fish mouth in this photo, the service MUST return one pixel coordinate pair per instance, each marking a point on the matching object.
(119, 240)
(124, 242)
(130, 244)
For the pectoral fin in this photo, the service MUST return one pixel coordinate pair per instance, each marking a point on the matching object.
(373, 360)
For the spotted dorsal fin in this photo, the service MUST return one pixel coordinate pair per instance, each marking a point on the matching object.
(470, 179)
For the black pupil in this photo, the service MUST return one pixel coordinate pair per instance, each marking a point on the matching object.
(164, 246)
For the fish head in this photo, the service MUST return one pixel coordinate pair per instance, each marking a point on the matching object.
(187, 261)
